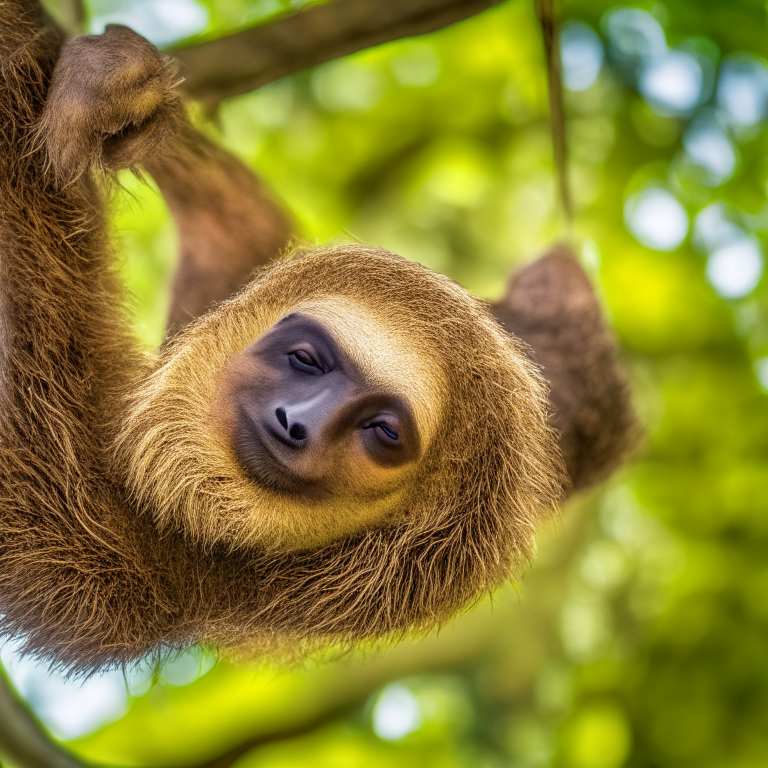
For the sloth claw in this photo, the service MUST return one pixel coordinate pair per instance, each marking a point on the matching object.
(112, 101)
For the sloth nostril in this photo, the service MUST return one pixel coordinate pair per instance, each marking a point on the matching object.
(298, 432)
(281, 417)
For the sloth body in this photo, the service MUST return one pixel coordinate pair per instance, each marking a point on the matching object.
(350, 448)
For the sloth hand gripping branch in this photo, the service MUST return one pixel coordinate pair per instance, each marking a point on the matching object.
(351, 447)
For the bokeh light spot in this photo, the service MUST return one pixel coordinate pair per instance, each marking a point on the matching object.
(598, 737)
(709, 147)
(416, 64)
(396, 713)
(672, 84)
(187, 667)
(343, 86)
(582, 55)
(742, 89)
(713, 228)
(635, 36)
(761, 372)
(735, 269)
(657, 219)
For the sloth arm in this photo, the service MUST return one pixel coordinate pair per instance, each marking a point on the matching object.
(75, 584)
(551, 305)
(228, 222)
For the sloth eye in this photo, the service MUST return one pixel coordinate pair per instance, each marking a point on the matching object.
(302, 360)
(385, 432)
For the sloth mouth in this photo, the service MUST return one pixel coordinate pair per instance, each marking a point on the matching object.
(282, 439)
(258, 447)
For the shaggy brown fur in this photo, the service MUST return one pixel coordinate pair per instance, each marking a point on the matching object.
(87, 579)
(228, 222)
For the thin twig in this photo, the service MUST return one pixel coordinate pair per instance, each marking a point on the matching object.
(246, 60)
(549, 29)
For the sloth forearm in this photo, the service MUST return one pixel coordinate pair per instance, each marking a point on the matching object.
(228, 222)
(68, 553)
(66, 352)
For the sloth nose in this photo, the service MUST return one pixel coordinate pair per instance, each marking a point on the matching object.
(296, 430)
(306, 421)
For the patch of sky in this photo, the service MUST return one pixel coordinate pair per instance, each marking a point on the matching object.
(635, 38)
(581, 54)
(68, 708)
(71, 708)
(187, 667)
(672, 83)
(714, 227)
(656, 219)
(163, 23)
(735, 269)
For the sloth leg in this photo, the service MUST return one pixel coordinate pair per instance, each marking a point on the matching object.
(551, 306)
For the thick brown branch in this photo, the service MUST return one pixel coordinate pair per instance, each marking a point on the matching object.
(247, 60)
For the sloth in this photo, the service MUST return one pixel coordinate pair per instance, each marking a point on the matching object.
(332, 446)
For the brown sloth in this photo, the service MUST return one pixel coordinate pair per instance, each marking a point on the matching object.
(349, 448)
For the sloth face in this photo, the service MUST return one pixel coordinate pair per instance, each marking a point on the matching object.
(346, 392)
(309, 421)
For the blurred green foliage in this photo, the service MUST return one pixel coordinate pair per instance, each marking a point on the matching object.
(640, 636)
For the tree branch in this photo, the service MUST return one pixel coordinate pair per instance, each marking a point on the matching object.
(249, 59)
(23, 740)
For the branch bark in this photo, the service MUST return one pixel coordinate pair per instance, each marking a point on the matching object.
(249, 59)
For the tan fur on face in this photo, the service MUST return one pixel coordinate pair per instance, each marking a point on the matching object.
(478, 399)
(385, 351)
